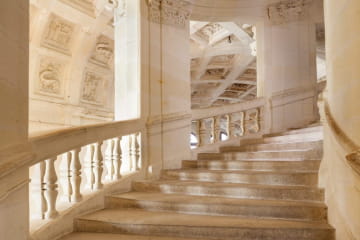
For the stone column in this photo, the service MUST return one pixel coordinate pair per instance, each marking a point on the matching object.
(286, 47)
(165, 36)
(14, 46)
(339, 172)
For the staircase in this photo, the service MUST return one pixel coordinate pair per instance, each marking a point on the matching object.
(265, 189)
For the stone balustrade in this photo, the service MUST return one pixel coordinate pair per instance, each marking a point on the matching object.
(64, 178)
(213, 125)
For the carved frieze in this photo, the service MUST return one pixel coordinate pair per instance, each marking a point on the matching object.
(223, 60)
(50, 77)
(92, 88)
(58, 34)
(288, 11)
(210, 29)
(170, 12)
(85, 6)
(103, 52)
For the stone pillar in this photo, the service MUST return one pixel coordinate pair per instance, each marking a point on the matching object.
(165, 38)
(286, 47)
(338, 175)
(127, 59)
(14, 45)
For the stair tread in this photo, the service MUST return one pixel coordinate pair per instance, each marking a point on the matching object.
(252, 171)
(112, 236)
(143, 217)
(237, 185)
(182, 198)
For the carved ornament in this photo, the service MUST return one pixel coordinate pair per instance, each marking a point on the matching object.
(170, 12)
(288, 11)
(92, 88)
(50, 76)
(103, 52)
(58, 35)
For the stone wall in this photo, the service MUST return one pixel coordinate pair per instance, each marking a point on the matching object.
(342, 133)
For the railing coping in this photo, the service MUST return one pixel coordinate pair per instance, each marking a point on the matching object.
(204, 113)
(52, 143)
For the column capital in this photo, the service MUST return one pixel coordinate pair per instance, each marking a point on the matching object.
(288, 11)
(170, 12)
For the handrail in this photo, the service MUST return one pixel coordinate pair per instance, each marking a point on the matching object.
(50, 144)
(353, 156)
(202, 113)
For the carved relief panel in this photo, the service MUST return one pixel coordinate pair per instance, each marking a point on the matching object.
(58, 35)
(93, 88)
(50, 78)
(103, 52)
(85, 6)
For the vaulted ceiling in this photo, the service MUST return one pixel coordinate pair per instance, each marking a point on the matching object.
(223, 63)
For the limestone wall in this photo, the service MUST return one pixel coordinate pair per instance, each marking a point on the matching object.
(71, 63)
(341, 182)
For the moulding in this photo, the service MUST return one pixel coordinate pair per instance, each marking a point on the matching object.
(171, 117)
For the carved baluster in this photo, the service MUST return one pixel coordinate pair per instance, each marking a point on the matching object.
(127, 153)
(217, 128)
(116, 158)
(37, 191)
(64, 177)
(88, 166)
(50, 188)
(197, 132)
(75, 175)
(138, 151)
(132, 153)
(108, 159)
(204, 136)
(231, 125)
(97, 166)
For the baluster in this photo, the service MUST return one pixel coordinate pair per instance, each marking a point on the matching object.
(116, 158)
(231, 125)
(75, 175)
(37, 191)
(97, 166)
(88, 166)
(64, 177)
(217, 128)
(197, 132)
(93, 166)
(134, 152)
(138, 151)
(108, 159)
(50, 188)
(204, 136)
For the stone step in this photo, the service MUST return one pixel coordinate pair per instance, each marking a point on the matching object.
(110, 236)
(274, 146)
(251, 208)
(311, 136)
(297, 131)
(289, 154)
(167, 224)
(297, 166)
(235, 190)
(244, 176)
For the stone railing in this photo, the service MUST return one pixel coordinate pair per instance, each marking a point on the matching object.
(75, 162)
(217, 124)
